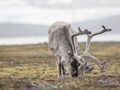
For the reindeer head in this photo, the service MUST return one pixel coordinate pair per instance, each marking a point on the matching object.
(78, 60)
(72, 65)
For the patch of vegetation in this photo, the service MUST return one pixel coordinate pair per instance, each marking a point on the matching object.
(24, 67)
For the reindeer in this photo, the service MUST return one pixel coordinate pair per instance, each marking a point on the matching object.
(63, 44)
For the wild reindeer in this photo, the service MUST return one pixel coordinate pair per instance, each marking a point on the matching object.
(63, 44)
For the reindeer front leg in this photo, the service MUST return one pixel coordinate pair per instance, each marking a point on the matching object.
(59, 66)
(63, 70)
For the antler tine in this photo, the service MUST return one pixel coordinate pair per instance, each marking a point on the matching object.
(105, 29)
(87, 31)
(79, 29)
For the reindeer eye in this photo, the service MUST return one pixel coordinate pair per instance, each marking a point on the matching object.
(72, 63)
(69, 53)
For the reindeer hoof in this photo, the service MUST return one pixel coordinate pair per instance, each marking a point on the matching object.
(103, 63)
(102, 67)
(89, 69)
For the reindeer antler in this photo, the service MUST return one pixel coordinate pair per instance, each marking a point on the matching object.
(86, 52)
(79, 29)
(76, 34)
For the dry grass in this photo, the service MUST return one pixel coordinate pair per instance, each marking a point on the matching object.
(33, 67)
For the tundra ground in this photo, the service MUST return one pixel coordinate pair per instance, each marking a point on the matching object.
(33, 67)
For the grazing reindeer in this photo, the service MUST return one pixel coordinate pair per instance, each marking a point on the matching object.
(86, 53)
(63, 44)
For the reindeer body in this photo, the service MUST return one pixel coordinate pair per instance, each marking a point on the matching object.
(59, 39)
(60, 44)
